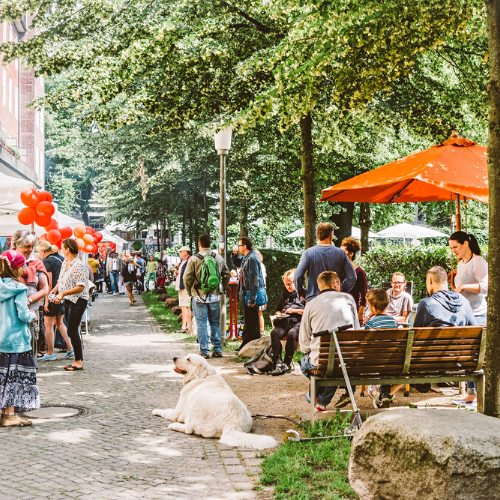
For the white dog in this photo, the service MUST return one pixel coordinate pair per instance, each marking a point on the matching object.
(208, 407)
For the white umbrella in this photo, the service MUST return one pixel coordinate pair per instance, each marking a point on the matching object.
(409, 231)
(355, 232)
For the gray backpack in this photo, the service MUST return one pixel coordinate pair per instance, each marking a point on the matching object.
(261, 363)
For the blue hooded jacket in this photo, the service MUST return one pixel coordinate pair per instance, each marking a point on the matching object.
(15, 336)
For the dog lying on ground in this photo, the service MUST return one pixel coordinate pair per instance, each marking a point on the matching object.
(208, 407)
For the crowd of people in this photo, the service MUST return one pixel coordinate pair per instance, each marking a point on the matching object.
(50, 289)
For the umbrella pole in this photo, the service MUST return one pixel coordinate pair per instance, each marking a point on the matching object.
(458, 222)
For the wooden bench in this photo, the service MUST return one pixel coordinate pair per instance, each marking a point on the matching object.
(403, 356)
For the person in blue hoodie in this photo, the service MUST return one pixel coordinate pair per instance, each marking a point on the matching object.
(444, 307)
(18, 388)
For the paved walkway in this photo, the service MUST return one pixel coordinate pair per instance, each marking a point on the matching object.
(119, 450)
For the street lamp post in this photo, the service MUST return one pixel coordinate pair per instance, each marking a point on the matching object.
(222, 146)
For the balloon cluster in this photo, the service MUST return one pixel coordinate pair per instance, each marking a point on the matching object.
(40, 209)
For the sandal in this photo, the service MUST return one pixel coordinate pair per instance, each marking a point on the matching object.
(41, 354)
(72, 368)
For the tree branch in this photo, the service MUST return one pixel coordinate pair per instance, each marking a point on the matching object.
(261, 27)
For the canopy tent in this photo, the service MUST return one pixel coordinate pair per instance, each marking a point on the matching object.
(409, 231)
(355, 232)
(455, 169)
(107, 236)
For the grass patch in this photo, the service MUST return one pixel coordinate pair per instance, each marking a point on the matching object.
(312, 469)
(167, 321)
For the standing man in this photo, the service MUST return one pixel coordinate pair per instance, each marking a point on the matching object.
(184, 298)
(113, 270)
(206, 301)
(400, 302)
(141, 263)
(323, 257)
(251, 281)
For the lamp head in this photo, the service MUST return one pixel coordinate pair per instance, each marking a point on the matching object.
(223, 141)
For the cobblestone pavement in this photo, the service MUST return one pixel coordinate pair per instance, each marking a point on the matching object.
(119, 450)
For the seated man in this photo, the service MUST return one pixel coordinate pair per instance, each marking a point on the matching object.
(443, 307)
(400, 302)
(328, 310)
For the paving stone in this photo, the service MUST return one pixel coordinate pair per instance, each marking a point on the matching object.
(119, 451)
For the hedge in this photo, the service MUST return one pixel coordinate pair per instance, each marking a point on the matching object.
(379, 264)
(277, 262)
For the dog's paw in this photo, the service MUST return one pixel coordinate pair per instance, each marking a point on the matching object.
(176, 426)
(158, 412)
(168, 414)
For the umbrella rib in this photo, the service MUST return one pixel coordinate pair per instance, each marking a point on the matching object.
(400, 191)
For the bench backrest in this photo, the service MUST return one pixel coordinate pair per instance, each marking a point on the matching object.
(404, 351)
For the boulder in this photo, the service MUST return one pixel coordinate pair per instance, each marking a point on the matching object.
(176, 310)
(163, 297)
(433, 454)
(171, 302)
(253, 347)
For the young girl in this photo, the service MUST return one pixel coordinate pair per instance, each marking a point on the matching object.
(17, 369)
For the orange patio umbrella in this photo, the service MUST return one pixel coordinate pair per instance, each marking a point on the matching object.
(455, 169)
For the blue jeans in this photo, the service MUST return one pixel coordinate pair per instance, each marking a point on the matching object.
(204, 312)
(472, 386)
(114, 278)
(324, 395)
(150, 277)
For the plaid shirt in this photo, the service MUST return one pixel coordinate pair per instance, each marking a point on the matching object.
(161, 271)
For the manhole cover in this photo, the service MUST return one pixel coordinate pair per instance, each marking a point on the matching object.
(51, 412)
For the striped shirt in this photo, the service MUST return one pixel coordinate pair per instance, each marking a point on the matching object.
(380, 322)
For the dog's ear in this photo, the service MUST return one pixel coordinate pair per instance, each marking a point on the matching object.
(204, 369)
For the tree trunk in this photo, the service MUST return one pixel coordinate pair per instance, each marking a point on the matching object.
(183, 228)
(190, 226)
(205, 203)
(308, 180)
(492, 370)
(158, 236)
(163, 234)
(343, 220)
(364, 225)
(196, 221)
(244, 207)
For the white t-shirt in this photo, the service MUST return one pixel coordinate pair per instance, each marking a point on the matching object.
(114, 265)
(400, 304)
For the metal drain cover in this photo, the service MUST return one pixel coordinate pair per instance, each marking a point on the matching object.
(53, 412)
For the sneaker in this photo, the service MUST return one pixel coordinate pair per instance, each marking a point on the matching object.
(69, 353)
(385, 400)
(48, 357)
(114, 293)
(466, 404)
(203, 355)
(216, 354)
(277, 370)
(286, 368)
(319, 406)
(344, 400)
(15, 421)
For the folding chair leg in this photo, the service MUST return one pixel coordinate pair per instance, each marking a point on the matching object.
(407, 390)
(312, 395)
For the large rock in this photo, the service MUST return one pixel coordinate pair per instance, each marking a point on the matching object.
(253, 347)
(171, 302)
(163, 297)
(176, 310)
(427, 454)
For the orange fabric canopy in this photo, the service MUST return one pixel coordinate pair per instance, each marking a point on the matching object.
(457, 166)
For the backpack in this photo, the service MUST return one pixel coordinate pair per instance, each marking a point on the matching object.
(210, 275)
(261, 363)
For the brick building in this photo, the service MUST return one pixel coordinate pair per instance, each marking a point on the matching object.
(22, 136)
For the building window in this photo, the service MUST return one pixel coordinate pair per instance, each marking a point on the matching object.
(16, 103)
(10, 95)
(4, 87)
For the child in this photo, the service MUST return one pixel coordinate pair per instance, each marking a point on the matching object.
(17, 369)
(161, 274)
(378, 300)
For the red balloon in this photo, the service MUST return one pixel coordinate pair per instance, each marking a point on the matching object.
(89, 230)
(29, 197)
(43, 237)
(79, 230)
(59, 244)
(26, 216)
(43, 220)
(53, 236)
(89, 248)
(46, 208)
(88, 238)
(44, 196)
(98, 237)
(53, 224)
(80, 243)
(66, 232)
(95, 249)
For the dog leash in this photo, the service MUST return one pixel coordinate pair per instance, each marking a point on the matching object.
(300, 424)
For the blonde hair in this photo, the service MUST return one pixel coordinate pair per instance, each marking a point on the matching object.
(328, 278)
(289, 275)
(22, 238)
(55, 249)
(378, 298)
(43, 245)
(6, 270)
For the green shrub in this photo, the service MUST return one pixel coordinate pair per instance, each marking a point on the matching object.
(277, 262)
(413, 262)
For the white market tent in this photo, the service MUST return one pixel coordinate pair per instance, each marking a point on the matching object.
(409, 231)
(355, 232)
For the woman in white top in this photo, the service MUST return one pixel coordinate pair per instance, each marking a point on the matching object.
(471, 281)
(73, 289)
